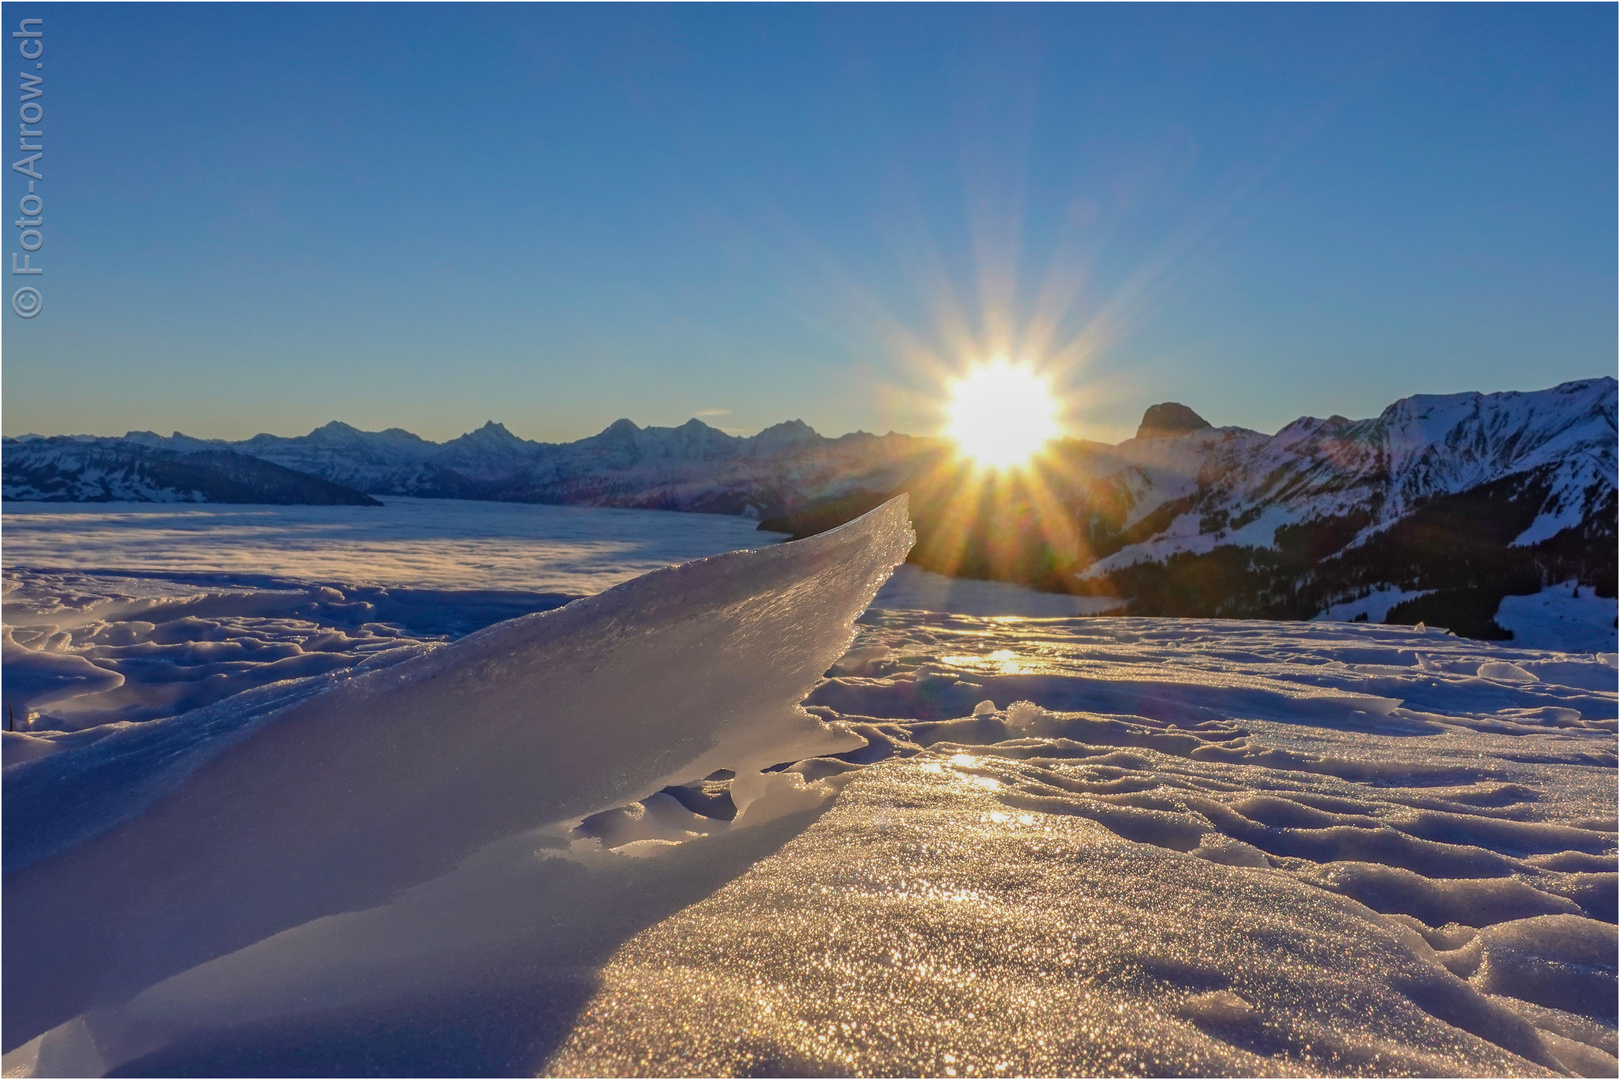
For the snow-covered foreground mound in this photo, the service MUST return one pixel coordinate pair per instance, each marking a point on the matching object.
(165, 845)
(1006, 845)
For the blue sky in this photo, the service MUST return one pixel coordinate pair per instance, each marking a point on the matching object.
(261, 218)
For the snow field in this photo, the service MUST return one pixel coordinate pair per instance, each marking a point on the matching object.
(1566, 617)
(609, 839)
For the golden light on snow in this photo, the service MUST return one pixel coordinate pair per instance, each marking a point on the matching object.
(1001, 413)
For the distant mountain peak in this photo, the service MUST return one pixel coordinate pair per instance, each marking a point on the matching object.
(399, 434)
(1168, 419)
(492, 432)
(336, 431)
(790, 431)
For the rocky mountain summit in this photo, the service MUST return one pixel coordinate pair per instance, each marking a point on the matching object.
(1169, 419)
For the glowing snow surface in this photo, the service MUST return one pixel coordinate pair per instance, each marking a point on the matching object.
(1007, 846)
(1211, 848)
(915, 589)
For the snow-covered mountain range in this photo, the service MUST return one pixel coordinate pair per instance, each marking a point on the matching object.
(1447, 499)
(692, 467)
(1437, 497)
(70, 468)
(1193, 491)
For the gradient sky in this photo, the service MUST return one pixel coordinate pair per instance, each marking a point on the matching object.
(261, 218)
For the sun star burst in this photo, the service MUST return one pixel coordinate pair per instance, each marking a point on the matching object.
(1001, 413)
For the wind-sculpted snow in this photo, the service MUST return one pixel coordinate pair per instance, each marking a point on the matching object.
(383, 779)
(1060, 846)
(118, 612)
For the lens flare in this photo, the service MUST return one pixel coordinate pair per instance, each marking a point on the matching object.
(1001, 413)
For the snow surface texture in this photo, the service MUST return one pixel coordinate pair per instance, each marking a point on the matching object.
(1054, 845)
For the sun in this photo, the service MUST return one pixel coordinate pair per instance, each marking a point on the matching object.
(1000, 413)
